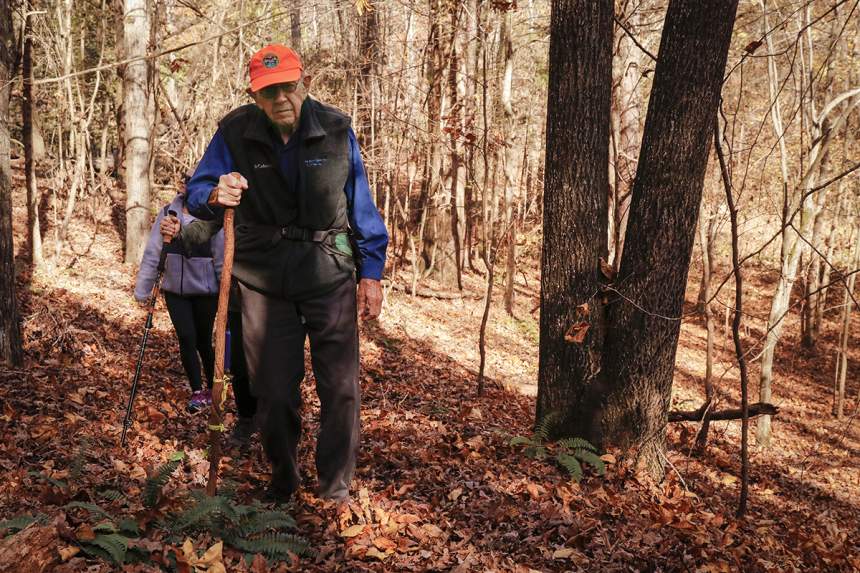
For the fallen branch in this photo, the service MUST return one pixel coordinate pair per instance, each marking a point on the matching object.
(757, 409)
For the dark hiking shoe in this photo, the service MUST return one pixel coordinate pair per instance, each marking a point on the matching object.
(242, 431)
(277, 496)
(199, 400)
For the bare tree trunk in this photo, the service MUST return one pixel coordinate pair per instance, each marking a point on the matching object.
(455, 129)
(296, 25)
(471, 64)
(705, 219)
(845, 335)
(10, 334)
(33, 197)
(576, 189)
(790, 254)
(507, 124)
(136, 96)
(641, 341)
(797, 198)
(736, 323)
(437, 244)
(368, 41)
(626, 132)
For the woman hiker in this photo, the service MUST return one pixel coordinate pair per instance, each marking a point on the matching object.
(190, 286)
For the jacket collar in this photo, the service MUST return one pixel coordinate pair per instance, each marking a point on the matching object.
(260, 129)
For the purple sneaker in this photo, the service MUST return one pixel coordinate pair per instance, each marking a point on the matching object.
(199, 400)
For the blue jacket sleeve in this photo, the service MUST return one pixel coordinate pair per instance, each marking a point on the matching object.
(216, 162)
(364, 218)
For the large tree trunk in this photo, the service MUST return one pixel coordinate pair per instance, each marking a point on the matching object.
(644, 321)
(576, 188)
(136, 106)
(10, 334)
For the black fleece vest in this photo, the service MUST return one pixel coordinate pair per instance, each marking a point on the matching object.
(267, 258)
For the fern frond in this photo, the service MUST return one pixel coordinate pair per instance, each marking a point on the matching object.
(156, 482)
(113, 544)
(198, 514)
(112, 495)
(105, 527)
(521, 441)
(260, 522)
(91, 508)
(129, 526)
(19, 522)
(545, 427)
(593, 460)
(536, 452)
(577, 444)
(274, 545)
(571, 464)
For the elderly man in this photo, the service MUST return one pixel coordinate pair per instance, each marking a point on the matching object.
(306, 231)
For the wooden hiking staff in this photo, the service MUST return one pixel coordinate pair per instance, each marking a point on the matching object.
(221, 381)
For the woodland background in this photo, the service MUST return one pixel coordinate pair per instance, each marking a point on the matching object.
(108, 104)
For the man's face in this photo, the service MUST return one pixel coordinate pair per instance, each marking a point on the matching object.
(282, 104)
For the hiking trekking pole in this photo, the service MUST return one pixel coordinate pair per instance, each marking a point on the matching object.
(153, 297)
(221, 381)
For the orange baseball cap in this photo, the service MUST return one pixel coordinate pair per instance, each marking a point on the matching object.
(274, 64)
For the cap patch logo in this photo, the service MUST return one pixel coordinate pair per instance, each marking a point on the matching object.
(270, 61)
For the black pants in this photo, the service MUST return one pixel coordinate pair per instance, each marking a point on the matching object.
(275, 330)
(193, 318)
(246, 403)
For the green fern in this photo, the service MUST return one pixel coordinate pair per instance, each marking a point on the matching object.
(249, 528)
(576, 444)
(521, 441)
(112, 545)
(571, 464)
(197, 514)
(91, 508)
(112, 495)
(19, 522)
(156, 482)
(259, 522)
(536, 452)
(273, 545)
(544, 428)
(591, 459)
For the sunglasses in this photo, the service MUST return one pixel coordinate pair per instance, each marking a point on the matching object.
(272, 91)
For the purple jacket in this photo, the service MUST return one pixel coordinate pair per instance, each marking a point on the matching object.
(184, 276)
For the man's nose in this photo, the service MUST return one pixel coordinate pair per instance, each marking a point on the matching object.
(282, 95)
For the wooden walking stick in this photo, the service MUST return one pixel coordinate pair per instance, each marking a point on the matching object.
(219, 387)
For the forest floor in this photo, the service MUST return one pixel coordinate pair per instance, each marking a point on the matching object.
(438, 485)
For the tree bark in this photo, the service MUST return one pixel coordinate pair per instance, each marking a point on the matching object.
(626, 133)
(845, 334)
(296, 25)
(576, 189)
(10, 334)
(33, 197)
(136, 105)
(644, 321)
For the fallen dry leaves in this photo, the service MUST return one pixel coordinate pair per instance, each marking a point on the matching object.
(437, 487)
